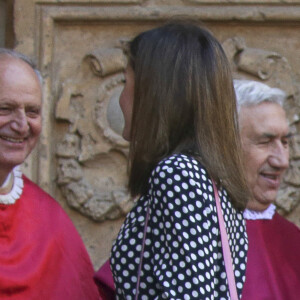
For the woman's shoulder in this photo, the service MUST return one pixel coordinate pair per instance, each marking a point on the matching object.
(179, 165)
(180, 161)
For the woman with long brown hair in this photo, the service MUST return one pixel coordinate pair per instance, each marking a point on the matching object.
(180, 118)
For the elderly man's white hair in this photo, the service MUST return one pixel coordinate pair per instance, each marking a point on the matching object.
(250, 92)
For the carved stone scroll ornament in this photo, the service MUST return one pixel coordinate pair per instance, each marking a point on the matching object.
(106, 61)
(92, 155)
(258, 64)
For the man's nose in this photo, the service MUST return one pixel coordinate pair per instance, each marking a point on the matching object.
(279, 157)
(20, 122)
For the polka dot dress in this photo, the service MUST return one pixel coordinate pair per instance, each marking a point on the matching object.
(183, 256)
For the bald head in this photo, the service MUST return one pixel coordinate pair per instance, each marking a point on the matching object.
(17, 55)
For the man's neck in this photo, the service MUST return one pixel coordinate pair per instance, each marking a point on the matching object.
(7, 185)
(4, 173)
(257, 206)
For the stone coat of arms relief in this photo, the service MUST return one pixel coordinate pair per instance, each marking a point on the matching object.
(92, 155)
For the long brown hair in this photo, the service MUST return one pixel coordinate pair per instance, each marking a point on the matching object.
(184, 102)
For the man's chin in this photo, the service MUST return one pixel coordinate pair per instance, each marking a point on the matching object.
(260, 204)
(11, 163)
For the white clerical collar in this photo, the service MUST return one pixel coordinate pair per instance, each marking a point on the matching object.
(266, 214)
(17, 187)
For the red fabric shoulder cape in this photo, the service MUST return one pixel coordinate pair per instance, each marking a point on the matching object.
(105, 282)
(273, 267)
(41, 254)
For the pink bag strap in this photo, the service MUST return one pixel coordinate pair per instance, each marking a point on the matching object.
(225, 248)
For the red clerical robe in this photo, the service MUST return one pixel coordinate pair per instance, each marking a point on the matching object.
(273, 267)
(42, 257)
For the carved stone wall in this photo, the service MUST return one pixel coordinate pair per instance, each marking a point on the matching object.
(2, 22)
(81, 158)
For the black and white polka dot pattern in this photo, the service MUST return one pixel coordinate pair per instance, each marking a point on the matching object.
(183, 256)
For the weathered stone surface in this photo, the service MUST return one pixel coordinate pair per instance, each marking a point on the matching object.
(2, 22)
(77, 46)
(69, 146)
(288, 198)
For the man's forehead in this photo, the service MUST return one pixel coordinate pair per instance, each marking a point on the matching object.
(5, 57)
(265, 118)
(262, 110)
(15, 66)
(18, 78)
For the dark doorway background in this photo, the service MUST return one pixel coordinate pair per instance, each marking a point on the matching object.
(6, 24)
